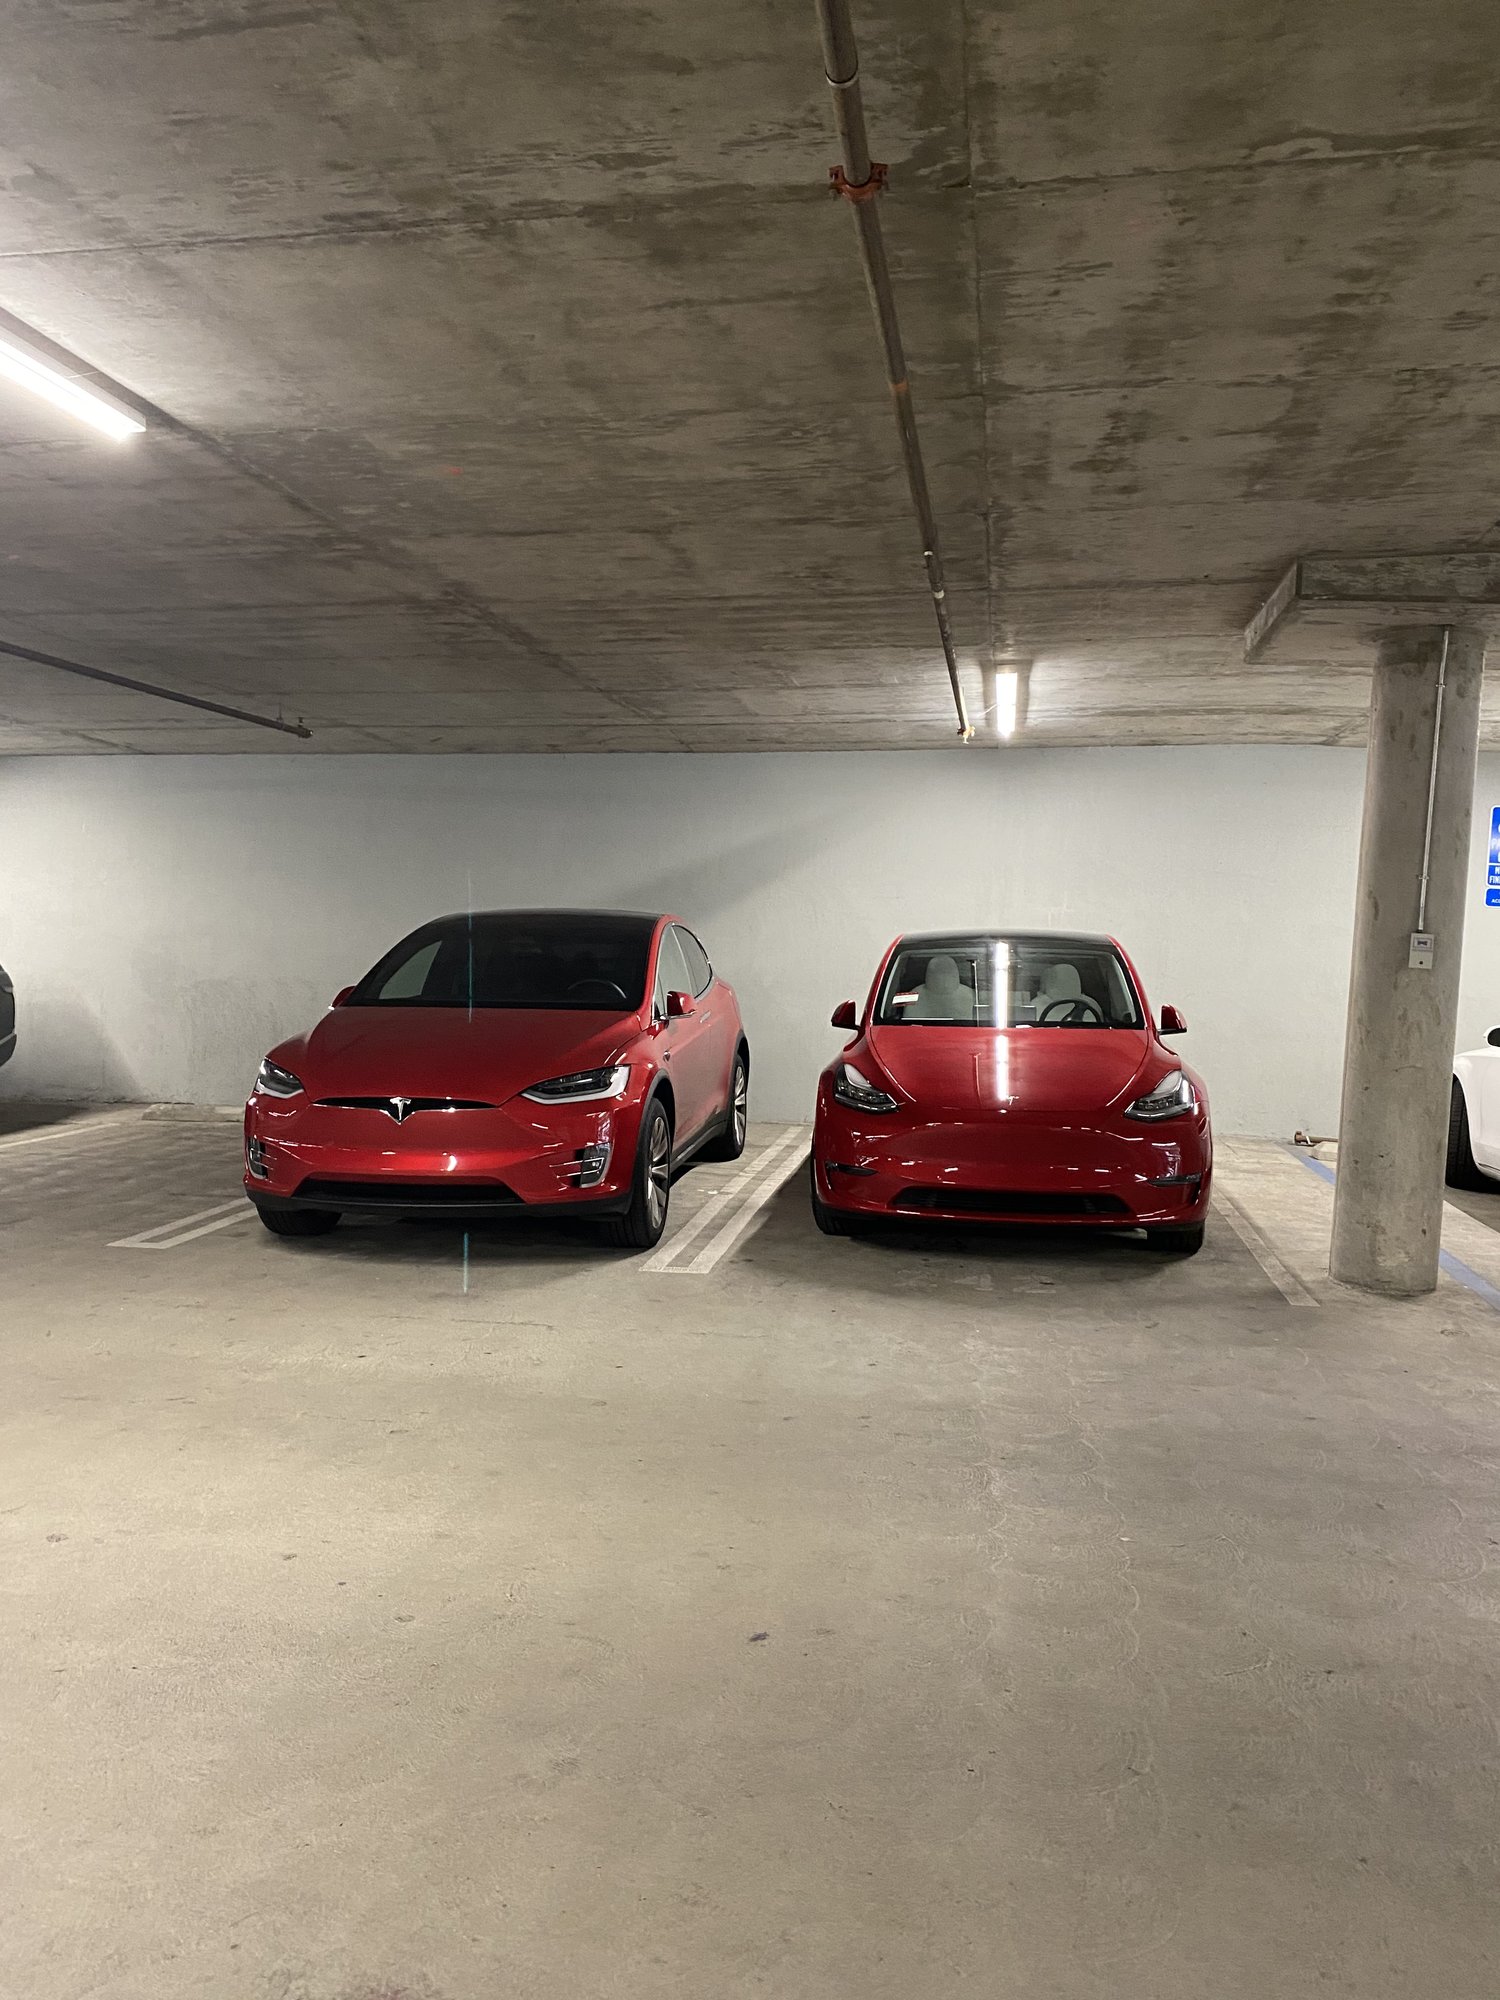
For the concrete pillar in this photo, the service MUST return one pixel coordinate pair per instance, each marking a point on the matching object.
(1398, 1050)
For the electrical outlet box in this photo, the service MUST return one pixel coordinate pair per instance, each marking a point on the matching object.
(1419, 958)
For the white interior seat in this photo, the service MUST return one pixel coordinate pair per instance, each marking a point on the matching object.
(942, 996)
(1060, 983)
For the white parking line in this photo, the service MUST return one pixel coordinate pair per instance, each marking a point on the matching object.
(73, 1128)
(167, 1235)
(1261, 1248)
(713, 1209)
(732, 1207)
(724, 1241)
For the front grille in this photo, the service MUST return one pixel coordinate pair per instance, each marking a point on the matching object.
(1007, 1202)
(409, 1194)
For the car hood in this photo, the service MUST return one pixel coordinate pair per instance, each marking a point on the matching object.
(1041, 1070)
(488, 1055)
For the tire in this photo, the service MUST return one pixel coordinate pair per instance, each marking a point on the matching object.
(1184, 1242)
(829, 1220)
(299, 1221)
(731, 1141)
(640, 1227)
(1459, 1169)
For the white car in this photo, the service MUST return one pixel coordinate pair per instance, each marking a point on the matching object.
(1474, 1117)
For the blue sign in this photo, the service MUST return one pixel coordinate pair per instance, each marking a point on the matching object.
(1492, 886)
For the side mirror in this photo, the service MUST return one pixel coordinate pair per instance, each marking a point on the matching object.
(845, 1015)
(679, 1004)
(1493, 1038)
(342, 995)
(1172, 1022)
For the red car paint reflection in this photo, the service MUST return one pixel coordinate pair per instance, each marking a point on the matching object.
(502, 1063)
(1012, 1077)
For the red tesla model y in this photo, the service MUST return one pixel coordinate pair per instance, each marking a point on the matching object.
(1018, 1077)
(504, 1063)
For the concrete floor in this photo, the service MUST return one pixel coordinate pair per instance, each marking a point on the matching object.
(996, 1617)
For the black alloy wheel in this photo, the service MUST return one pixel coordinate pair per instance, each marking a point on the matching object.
(7, 1017)
(640, 1227)
(1184, 1242)
(1460, 1169)
(731, 1141)
(830, 1220)
(299, 1221)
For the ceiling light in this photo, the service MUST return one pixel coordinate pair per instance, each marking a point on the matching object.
(29, 370)
(1007, 696)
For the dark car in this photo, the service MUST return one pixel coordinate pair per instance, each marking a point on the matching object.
(7, 1017)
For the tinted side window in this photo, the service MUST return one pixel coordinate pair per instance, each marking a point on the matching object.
(671, 973)
(700, 972)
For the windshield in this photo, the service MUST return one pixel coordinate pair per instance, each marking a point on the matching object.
(526, 958)
(1008, 982)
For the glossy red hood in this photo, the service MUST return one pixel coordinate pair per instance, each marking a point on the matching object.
(1020, 1069)
(447, 1052)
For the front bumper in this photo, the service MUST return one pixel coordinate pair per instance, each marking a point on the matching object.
(1079, 1172)
(516, 1159)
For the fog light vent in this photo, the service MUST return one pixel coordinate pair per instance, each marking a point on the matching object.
(593, 1164)
(257, 1160)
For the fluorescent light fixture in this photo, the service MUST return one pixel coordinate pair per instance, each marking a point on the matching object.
(28, 369)
(1007, 697)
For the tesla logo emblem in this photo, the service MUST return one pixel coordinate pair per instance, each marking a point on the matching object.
(400, 1108)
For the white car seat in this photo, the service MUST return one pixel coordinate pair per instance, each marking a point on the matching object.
(1061, 983)
(942, 996)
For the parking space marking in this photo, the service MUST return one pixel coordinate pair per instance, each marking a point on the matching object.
(1455, 1225)
(1255, 1240)
(770, 1183)
(714, 1208)
(75, 1128)
(725, 1216)
(168, 1235)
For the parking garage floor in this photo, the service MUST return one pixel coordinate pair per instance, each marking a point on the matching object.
(972, 1615)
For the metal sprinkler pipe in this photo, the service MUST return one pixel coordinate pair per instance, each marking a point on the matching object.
(859, 180)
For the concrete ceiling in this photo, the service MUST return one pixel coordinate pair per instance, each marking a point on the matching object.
(518, 387)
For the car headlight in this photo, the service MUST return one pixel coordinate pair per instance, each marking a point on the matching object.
(854, 1088)
(580, 1086)
(274, 1081)
(1167, 1099)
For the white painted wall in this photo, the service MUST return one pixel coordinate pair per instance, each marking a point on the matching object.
(167, 919)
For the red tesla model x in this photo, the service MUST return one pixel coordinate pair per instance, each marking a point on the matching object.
(508, 1062)
(1015, 1076)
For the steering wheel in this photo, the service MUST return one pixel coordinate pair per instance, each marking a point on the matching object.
(1078, 1000)
(604, 991)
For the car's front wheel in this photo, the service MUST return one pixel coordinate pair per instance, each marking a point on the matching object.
(832, 1221)
(640, 1227)
(1459, 1168)
(298, 1221)
(1184, 1242)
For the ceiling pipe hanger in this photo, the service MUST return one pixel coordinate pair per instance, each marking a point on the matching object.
(148, 687)
(858, 180)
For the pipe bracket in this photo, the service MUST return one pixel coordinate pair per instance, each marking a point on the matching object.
(841, 184)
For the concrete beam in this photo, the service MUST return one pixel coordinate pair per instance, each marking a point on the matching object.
(1372, 594)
